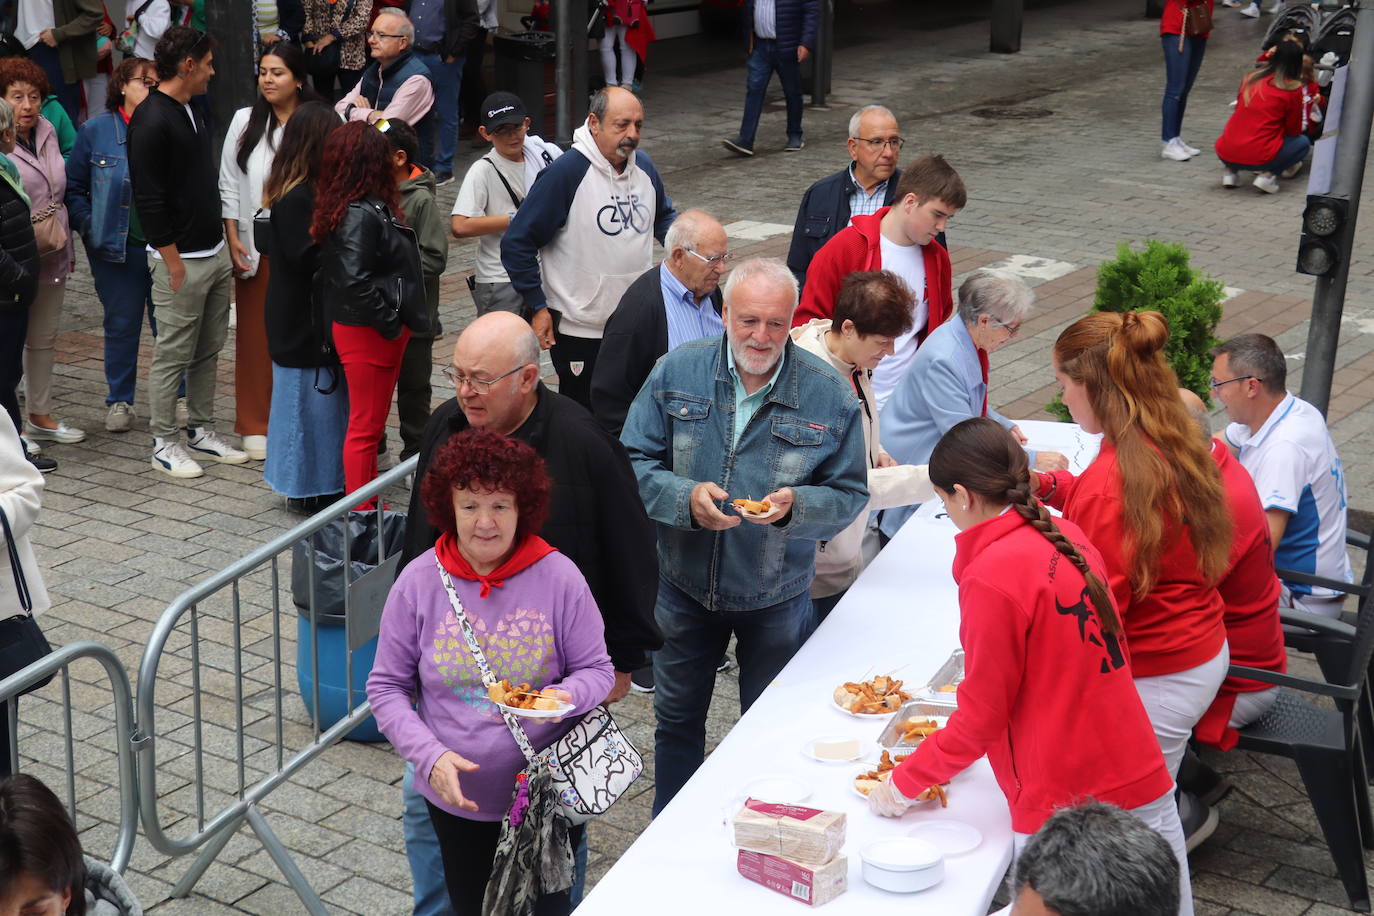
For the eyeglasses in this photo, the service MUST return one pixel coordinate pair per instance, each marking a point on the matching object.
(721, 259)
(376, 34)
(479, 385)
(1011, 329)
(507, 130)
(1214, 384)
(877, 143)
(147, 81)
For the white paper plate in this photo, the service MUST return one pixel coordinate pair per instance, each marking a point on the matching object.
(538, 713)
(747, 514)
(787, 790)
(952, 838)
(870, 716)
(809, 748)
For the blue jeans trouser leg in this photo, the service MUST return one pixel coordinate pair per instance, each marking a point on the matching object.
(1293, 151)
(68, 94)
(760, 70)
(448, 79)
(1180, 70)
(789, 74)
(422, 852)
(126, 294)
(685, 671)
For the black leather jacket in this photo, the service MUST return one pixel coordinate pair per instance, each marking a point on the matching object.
(18, 251)
(370, 271)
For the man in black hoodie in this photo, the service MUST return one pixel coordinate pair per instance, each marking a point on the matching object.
(176, 191)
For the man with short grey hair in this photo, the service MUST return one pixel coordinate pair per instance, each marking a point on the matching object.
(746, 415)
(1283, 442)
(677, 301)
(864, 187)
(396, 84)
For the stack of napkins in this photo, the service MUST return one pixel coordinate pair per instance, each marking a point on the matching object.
(793, 850)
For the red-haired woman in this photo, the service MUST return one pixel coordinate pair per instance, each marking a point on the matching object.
(369, 281)
(530, 612)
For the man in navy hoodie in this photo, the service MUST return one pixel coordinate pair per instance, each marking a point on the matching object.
(781, 36)
(584, 233)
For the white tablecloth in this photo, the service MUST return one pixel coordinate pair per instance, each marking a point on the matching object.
(902, 617)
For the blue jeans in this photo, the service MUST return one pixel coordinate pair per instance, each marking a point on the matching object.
(422, 852)
(1293, 151)
(126, 293)
(685, 671)
(763, 61)
(69, 94)
(448, 80)
(1180, 69)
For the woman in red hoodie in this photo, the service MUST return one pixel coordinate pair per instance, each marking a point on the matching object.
(1047, 691)
(1267, 133)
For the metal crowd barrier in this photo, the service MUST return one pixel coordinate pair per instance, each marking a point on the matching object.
(259, 738)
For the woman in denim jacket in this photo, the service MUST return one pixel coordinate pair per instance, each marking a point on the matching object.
(100, 202)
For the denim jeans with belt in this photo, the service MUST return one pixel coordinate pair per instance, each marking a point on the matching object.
(447, 77)
(126, 294)
(763, 61)
(1180, 70)
(685, 671)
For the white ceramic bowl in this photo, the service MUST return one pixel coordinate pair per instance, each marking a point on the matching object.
(902, 864)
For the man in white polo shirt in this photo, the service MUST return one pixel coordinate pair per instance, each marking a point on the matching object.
(1283, 442)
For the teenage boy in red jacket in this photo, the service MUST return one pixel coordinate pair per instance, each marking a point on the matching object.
(899, 238)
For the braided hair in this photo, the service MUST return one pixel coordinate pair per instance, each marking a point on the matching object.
(984, 457)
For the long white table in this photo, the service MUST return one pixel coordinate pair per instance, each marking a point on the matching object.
(901, 616)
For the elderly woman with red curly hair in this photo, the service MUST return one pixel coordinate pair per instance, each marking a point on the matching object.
(369, 283)
(532, 615)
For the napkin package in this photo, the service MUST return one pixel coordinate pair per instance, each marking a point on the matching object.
(806, 835)
(809, 884)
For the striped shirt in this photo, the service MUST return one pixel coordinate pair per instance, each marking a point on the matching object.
(861, 202)
(687, 319)
(765, 21)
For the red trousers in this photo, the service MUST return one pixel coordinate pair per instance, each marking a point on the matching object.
(371, 365)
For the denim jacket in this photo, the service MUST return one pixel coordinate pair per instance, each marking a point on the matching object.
(99, 193)
(807, 435)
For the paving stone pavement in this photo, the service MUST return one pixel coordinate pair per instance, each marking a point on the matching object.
(1050, 197)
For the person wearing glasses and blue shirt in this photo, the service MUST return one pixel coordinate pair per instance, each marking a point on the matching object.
(861, 188)
(1283, 442)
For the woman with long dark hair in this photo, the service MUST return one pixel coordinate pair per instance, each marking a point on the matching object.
(369, 281)
(309, 413)
(1268, 131)
(1043, 654)
(248, 150)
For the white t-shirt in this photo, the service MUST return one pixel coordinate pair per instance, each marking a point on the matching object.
(907, 262)
(151, 25)
(1295, 467)
(483, 194)
(33, 17)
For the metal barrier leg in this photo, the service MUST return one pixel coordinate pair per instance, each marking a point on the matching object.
(288, 867)
(207, 855)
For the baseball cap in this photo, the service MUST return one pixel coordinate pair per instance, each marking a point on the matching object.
(501, 108)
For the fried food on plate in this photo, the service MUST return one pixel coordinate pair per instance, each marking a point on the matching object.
(520, 696)
(867, 781)
(875, 696)
(753, 506)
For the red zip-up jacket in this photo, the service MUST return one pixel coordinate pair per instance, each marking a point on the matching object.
(858, 246)
(1045, 694)
(1177, 625)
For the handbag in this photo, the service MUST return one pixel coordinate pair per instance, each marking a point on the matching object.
(128, 36)
(1197, 19)
(324, 64)
(21, 638)
(591, 766)
(48, 231)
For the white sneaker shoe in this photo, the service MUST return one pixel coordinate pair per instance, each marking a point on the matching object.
(1292, 170)
(255, 447)
(62, 433)
(206, 443)
(1252, 11)
(120, 418)
(1191, 150)
(171, 458)
(1174, 150)
(1230, 179)
(1234, 4)
(1276, 7)
(1267, 183)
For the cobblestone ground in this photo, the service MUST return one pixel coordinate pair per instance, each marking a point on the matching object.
(1050, 197)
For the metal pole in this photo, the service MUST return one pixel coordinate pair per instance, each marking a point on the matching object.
(565, 24)
(1347, 179)
(1007, 16)
(821, 59)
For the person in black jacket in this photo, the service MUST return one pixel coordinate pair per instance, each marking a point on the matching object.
(369, 281)
(672, 303)
(309, 411)
(18, 269)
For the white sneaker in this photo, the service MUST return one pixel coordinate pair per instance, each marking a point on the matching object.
(1230, 179)
(62, 433)
(206, 443)
(1252, 11)
(171, 458)
(120, 418)
(1191, 150)
(1234, 4)
(255, 447)
(1292, 170)
(1276, 7)
(1174, 150)
(1267, 183)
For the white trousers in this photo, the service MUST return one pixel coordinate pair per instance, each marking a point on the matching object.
(1250, 706)
(628, 58)
(1175, 702)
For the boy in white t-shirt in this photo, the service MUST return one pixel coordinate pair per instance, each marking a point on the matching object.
(492, 191)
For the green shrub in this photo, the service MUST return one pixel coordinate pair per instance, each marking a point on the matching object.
(1158, 277)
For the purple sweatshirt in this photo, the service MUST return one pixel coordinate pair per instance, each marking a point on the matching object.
(542, 627)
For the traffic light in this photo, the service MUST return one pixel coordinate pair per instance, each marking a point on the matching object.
(1323, 242)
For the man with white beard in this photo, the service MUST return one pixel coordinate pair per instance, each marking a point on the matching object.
(748, 415)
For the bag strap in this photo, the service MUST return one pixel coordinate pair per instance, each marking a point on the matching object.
(21, 585)
(140, 11)
(46, 213)
(516, 730)
(515, 199)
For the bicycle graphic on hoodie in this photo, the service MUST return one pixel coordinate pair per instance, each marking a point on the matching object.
(624, 213)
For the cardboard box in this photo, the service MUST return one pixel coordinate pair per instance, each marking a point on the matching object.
(813, 885)
(807, 835)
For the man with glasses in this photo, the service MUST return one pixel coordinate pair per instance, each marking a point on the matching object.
(862, 188)
(396, 84)
(677, 301)
(1283, 442)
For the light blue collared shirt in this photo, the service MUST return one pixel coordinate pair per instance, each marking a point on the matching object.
(862, 203)
(746, 405)
(687, 320)
(765, 23)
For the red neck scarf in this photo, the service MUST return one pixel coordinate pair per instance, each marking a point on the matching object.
(528, 552)
(983, 365)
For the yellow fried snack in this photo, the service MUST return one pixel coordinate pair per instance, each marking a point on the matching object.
(916, 729)
(872, 697)
(753, 506)
(870, 780)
